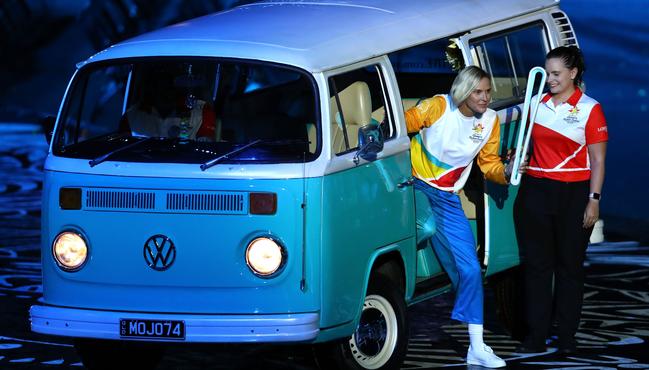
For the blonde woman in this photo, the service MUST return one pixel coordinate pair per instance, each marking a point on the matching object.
(451, 130)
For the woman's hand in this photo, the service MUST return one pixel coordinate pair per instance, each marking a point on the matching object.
(591, 214)
(509, 168)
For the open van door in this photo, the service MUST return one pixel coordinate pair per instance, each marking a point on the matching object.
(507, 54)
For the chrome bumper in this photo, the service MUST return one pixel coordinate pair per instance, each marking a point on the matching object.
(198, 328)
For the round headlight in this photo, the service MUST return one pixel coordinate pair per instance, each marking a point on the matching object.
(70, 250)
(264, 256)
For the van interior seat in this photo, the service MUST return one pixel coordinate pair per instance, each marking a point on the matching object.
(504, 88)
(356, 104)
(408, 103)
(312, 136)
(467, 205)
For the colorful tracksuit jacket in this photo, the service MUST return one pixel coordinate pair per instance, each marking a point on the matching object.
(446, 143)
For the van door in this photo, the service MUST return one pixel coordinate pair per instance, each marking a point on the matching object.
(423, 71)
(507, 52)
(364, 206)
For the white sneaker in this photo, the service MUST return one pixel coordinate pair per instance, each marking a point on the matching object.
(484, 356)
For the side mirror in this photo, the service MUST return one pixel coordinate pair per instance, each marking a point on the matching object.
(370, 142)
(47, 124)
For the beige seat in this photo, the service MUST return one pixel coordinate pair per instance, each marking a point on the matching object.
(503, 87)
(408, 103)
(356, 103)
(312, 134)
(468, 206)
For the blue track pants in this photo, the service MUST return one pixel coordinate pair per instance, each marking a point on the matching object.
(454, 246)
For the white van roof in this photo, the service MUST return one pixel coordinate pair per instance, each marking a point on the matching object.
(320, 35)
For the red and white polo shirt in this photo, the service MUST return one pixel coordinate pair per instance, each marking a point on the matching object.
(561, 135)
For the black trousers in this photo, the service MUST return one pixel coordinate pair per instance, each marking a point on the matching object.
(548, 217)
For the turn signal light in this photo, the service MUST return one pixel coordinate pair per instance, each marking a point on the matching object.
(70, 198)
(263, 203)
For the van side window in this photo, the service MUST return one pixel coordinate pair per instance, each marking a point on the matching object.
(356, 99)
(508, 57)
(426, 69)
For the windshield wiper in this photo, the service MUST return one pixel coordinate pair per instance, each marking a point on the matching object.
(104, 157)
(227, 155)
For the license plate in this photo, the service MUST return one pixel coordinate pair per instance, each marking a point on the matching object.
(152, 329)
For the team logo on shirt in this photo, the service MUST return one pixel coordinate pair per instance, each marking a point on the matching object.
(572, 116)
(477, 135)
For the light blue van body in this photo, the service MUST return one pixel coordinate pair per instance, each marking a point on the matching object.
(340, 218)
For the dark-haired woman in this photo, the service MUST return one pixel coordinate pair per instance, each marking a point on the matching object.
(558, 202)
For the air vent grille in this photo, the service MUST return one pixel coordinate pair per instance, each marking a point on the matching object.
(566, 32)
(109, 199)
(220, 202)
(166, 201)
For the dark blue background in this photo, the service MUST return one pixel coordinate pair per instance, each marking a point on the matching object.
(41, 40)
(614, 36)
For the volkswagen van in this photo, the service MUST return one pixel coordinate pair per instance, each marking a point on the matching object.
(246, 177)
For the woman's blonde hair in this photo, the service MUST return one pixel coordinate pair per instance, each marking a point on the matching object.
(465, 82)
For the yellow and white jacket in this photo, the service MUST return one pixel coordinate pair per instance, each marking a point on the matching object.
(446, 143)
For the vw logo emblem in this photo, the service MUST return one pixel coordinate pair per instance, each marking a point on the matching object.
(159, 252)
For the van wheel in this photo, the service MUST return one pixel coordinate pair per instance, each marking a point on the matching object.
(381, 339)
(508, 292)
(99, 354)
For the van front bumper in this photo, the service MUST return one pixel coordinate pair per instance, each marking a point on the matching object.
(71, 322)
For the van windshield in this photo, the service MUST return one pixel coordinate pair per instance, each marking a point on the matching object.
(194, 109)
